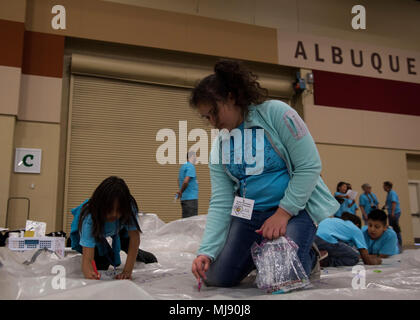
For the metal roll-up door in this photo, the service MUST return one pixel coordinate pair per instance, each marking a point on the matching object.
(116, 109)
(113, 132)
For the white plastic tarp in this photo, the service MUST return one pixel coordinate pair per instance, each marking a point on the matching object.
(175, 245)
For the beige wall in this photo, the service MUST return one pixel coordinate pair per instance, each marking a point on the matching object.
(13, 10)
(358, 165)
(43, 197)
(363, 128)
(413, 166)
(9, 89)
(389, 23)
(40, 98)
(106, 21)
(200, 25)
(7, 127)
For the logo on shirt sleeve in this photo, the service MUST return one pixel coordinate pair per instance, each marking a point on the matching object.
(295, 124)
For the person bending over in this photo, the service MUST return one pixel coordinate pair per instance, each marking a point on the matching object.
(111, 212)
(344, 242)
(279, 193)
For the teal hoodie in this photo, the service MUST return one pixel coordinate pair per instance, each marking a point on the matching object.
(291, 139)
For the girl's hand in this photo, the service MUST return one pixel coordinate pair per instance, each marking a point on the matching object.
(374, 260)
(87, 269)
(199, 266)
(124, 275)
(275, 226)
(89, 273)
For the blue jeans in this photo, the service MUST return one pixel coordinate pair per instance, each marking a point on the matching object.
(189, 208)
(395, 224)
(339, 254)
(235, 262)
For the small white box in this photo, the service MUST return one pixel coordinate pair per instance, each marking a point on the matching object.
(56, 244)
(39, 228)
(28, 160)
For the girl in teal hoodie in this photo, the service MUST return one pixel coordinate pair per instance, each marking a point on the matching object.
(283, 190)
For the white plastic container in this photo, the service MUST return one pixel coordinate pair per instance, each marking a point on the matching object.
(14, 234)
(56, 244)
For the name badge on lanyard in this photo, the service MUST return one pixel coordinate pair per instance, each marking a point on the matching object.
(242, 207)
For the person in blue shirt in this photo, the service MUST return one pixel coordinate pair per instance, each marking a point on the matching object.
(188, 186)
(394, 211)
(341, 190)
(341, 196)
(367, 201)
(351, 204)
(352, 207)
(111, 213)
(380, 239)
(280, 177)
(343, 240)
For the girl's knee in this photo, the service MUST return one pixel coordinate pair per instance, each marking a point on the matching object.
(216, 277)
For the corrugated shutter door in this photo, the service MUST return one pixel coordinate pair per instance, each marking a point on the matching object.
(113, 132)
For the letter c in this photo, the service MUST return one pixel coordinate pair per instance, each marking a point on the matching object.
(26, 164)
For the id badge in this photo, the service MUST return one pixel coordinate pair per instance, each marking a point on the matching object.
(242, 208)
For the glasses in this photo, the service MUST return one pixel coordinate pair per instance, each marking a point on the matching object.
(212, 113)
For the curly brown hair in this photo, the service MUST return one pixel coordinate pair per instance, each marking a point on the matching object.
(229, 77)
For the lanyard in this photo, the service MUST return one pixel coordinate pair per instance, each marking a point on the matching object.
(371, 200)
(244, 192)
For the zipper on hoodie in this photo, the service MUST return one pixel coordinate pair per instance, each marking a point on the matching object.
(275, 148)
(229, 174)
(278, 152)
(236, 180)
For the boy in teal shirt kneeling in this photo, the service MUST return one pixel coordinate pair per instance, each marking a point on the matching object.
(380, 239)
(344, 242)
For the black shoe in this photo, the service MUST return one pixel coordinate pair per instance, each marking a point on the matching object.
(146, 257)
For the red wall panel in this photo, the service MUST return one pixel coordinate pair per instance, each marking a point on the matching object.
(363, 93)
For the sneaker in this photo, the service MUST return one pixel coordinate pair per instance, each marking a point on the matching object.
(316, 270)
(323, 254)
(146, 257)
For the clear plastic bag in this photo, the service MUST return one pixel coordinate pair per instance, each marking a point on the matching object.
(279, 269)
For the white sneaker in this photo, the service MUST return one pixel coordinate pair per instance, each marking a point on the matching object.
(316, 271)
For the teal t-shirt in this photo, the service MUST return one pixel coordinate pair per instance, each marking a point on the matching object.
(387, 244)
(368, 201)
(352, 209)
(267, 188)
(191, 192)
(393, 197)
(110, 229)
(333, 230)
(342, 205)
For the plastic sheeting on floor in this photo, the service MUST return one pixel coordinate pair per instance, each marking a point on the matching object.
(175, 244)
